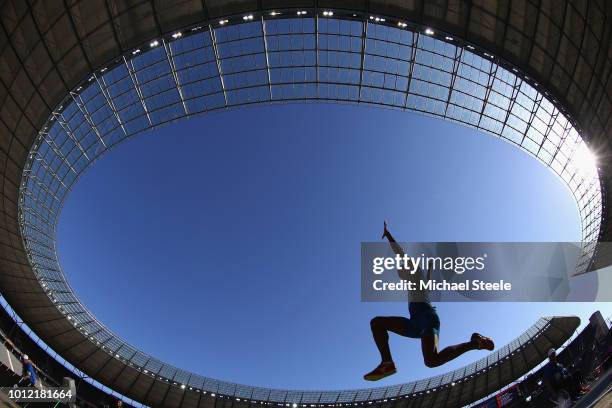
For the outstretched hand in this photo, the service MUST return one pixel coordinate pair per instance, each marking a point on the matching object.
(385, 231)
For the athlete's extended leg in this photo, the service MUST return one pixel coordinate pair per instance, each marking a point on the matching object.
(434, 358)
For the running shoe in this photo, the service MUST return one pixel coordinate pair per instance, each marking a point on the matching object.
(383, 370)
(482, 342)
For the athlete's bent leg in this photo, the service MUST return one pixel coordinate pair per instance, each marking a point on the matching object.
(381, 326)
(434, 358)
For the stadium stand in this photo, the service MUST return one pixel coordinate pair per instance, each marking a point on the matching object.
(15, 343)
(588, 352)
(455, 388)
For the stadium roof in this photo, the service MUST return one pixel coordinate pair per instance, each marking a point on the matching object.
(78, 77)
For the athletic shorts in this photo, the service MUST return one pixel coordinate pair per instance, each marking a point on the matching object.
(423, 320)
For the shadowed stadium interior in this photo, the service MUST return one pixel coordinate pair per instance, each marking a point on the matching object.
(77, 78)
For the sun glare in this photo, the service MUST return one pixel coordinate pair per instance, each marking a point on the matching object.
(585, 161)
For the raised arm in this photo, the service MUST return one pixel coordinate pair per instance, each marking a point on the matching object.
(403, 273)
(399, 251)
(394, 245)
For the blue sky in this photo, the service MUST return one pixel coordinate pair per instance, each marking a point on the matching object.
(228, 244)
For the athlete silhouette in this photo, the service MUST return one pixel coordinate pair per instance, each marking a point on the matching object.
(423, 323)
